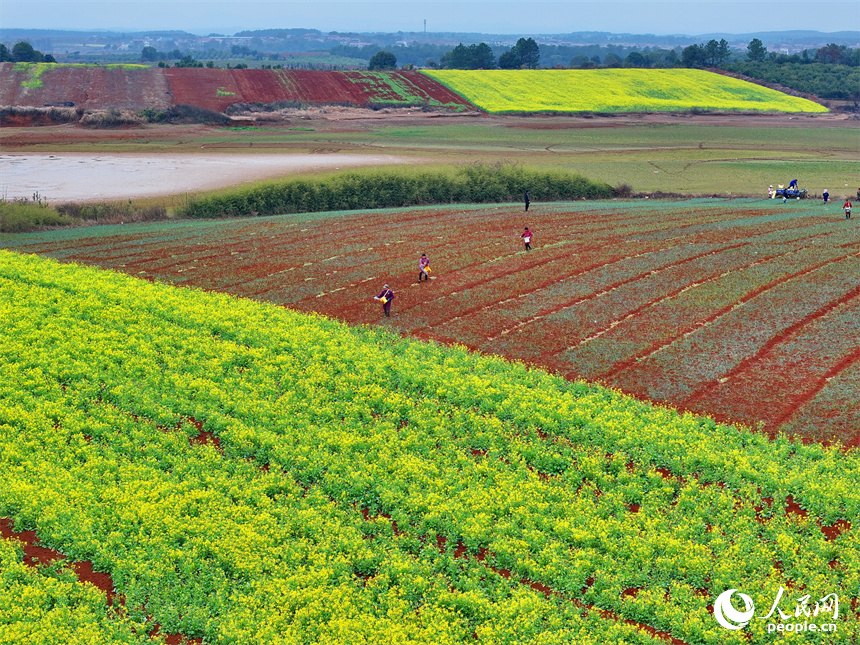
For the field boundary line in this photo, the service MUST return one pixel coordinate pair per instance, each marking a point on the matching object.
(671, 296)
(780, 337)
(798, 401)
(658, 347)
(610, 288)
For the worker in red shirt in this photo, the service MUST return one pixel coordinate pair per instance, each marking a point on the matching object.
(847, 207)
(527, 238)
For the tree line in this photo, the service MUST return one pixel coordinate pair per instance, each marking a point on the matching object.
(525, 54)
(23, 52)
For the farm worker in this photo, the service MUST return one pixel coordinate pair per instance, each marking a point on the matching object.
(423, 268)
(792, 184)
(826, 195)
(528, 201)
(527, 238)
(385, 297)
(847, 207)
(770, 192)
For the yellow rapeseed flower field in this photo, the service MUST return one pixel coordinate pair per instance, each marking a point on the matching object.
(251, 475)
(615, 90)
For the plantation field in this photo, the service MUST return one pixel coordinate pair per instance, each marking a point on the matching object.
(86, 86)
(140, 87)
(217, 89)
(615, 90)
(742, 309)
(243, 473)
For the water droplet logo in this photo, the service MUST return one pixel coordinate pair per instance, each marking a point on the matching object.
(729, 617)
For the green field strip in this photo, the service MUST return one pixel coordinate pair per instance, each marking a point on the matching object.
(249, 369)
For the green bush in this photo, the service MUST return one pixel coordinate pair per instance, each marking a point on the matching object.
(20, 215)
(184, 114)
(397, 187)
(105, 212)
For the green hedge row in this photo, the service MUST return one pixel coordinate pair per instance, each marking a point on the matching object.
(396, 187)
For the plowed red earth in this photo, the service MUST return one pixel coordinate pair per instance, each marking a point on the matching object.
(86, 87)
(739, 310)
(216, 89)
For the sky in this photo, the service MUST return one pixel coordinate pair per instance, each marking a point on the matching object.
(687, 17)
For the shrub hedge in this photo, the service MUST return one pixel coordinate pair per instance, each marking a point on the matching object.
(396, 187)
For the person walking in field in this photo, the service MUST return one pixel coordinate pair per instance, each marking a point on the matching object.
(847, 207)
(385, 297)
(423, 268)
(527, 238)
(527, 200)
(826, 195)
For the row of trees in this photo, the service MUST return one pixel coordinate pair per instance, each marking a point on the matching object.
(23, 52)
(525, 54)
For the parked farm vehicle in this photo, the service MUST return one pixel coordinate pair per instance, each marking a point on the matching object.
(791, 193)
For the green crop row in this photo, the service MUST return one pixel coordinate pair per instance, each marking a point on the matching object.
(394, 187)
(319, 424)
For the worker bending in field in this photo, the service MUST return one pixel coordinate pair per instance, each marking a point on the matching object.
(423, 268)
(385, 297)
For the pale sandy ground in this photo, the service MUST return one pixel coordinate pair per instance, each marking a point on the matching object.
(59, 178)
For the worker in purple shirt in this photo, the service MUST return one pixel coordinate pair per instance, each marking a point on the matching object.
(385, 297)
(423, 268)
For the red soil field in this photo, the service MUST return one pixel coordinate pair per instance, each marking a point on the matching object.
(86, 87)
(216, 89)
(742, 311)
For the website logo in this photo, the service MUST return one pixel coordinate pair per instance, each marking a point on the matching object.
(729, 617)
(823, 614)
